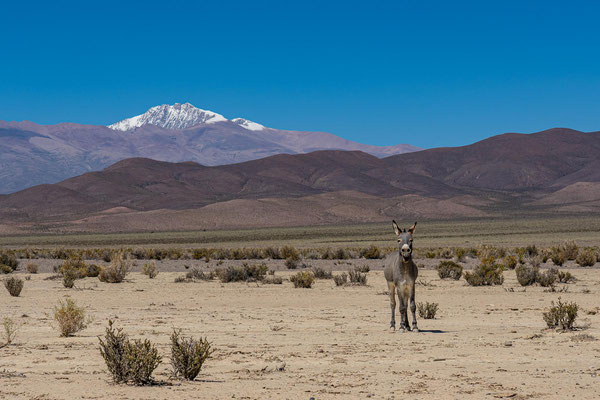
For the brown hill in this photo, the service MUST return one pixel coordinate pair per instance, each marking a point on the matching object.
(510, 173)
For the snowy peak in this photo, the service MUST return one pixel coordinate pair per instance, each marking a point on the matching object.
(176, 116)
(244, 123)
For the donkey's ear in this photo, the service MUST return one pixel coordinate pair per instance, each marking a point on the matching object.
(396, 229)
(412, 228)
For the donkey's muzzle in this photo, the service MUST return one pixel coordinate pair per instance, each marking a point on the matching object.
(405, 250)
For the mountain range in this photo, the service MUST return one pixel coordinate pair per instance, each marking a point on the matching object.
(550, 172)
(32, 154)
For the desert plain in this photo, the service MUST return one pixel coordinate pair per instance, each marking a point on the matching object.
(279, 342)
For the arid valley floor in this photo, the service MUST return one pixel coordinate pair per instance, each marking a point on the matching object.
(275, 341)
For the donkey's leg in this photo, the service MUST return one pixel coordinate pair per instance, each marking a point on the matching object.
(413, 308)
(402, 309)
(392, 290)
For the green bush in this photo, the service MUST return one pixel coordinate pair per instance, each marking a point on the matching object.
(561, 315)
(70, 317)
(14, 286)
(485, 274)
(558, 256)
(188, 355)
(449, 270)
(117, 270)
(586, 258)
(509, 262)
(150, 270)
(303, 279)
(427, 310)
(341, 279)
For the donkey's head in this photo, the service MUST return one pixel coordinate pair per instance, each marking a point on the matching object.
(405, 240)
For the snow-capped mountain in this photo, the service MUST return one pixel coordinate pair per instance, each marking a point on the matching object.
(32, 154)
(176, 116)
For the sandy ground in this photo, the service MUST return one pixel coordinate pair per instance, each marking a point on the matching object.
(278, 342)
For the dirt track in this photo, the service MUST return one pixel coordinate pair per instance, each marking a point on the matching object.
(329, 342)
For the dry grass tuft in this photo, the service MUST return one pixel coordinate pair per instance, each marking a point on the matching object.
(427, 310)
(14, 286)
(188, 355)
(561, 315)
(70, 318)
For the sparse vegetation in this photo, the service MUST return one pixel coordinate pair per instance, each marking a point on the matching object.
(128, 361)
(195, 275)
(188, 355)
(245, 272)
(8, 263)
(321, 273)
(526, 274)
(356, 277)
(460, 254)
(273, 280)
(150, 270)
(291, 263)
(449, 270)
(14, 286)
(341, 279)
(427, 310)
(561, 315)
(570, 249)
(9, 330)
(586, 258)
(486, 274)
(117, 270)
(547, 278)
(565, 277)
(32, 268)
(558, 256)
(69, 317)
(363, 268)
(371, 252)
(509, 262)
(303, 279)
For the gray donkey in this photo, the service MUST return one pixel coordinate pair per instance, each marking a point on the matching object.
(401, 273)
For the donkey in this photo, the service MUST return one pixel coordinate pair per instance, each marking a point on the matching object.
(401, 273)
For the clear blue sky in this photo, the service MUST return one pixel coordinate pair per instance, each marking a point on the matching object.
(437, 73)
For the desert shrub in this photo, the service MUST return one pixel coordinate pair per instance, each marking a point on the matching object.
(547, 278)
(303, 279)
(430, 254)
(564, 277)
(446, 253)
(534, 260)
(460, 253)
(372, 252)
(273, 280)
(291, 263)
(485, 274)
(194, 275)
(449, 269)
(69, 317)
(14, 286)
(93, 271)
(245, 272)
(117, 270)
(142, 359)
(341, 254)
(509, 262)
(571, 249)
(312, 255)
(561, 315)
(356, 277)
(9, 330)
(321, 273)
(32, 268)
(586, 258)
(526, 274)
(150, 270)
(272, 253)
(188, 355)
(128, 361)
(341, 279)
(289, 252)
(558, 256)
(107, 255)
(427, 310)
(531, 250)
(68, 279)
(363, 268)
(9, 261)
